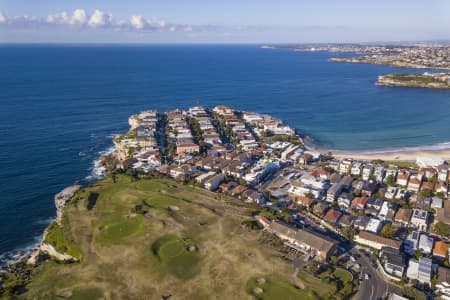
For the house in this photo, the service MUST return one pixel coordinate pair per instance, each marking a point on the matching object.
(361, 222)
(226, 187)
(346, 220)
(403, 216)
(411, 242)
(320, 208)
(442, 287)
(393, 296)
(238, 190)
(443, 214)
(346, 183)
(203, 177)
(414, 184)
(345, 166)
(440, 249)
(187, 148)
(345, 200)
(375, 241)
(379, 173)
(403, 178)
(390, 192)
(213, 182)
(393, 261)
(436, 202)
(356, 169)
(442, 173)
(309, 242)
(332, 216)
(424, 270)
(255, 197)
(182, 172)
(334, 191)
(305, 159)
(387, 211)
(419, 219)
(304, 201)
(374, 225)
(425, 244)
(369, 187)
(375, 203)
(359, 203)
(427, 185)
(367, 172)
(320, 172)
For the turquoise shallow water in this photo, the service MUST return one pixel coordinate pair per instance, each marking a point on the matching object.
(59, 106)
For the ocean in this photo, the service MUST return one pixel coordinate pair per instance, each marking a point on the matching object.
(61, 104)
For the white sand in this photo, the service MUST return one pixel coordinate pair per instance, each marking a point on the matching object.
(401, 155)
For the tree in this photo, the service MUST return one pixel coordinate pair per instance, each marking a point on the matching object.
(348, 233)
(441, 229)
(426, 193)
(388, 231)
(390, 180)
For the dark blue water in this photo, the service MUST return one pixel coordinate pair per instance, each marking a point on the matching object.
(59, 106)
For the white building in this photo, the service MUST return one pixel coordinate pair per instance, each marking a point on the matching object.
(419, 219)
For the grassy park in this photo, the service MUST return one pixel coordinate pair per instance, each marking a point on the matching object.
(144, 239)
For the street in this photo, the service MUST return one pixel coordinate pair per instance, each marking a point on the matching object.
(375, 287)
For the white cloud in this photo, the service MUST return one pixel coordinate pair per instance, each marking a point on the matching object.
(96, 19)
(99, 19)
(138, 22)
(79, 17)
(59, 18)
(2, 18)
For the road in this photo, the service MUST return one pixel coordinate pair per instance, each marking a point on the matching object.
(375, 287)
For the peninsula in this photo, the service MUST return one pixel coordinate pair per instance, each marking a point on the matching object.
(221, 203)
(418, 55)
(435, 81)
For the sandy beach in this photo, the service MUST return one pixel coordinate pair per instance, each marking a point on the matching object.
(392, 155)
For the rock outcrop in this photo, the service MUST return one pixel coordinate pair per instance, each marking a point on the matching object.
(62, 198)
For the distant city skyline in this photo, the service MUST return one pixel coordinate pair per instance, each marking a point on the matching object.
(264, 21)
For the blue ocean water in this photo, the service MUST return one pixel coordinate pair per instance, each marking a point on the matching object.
(59, 106)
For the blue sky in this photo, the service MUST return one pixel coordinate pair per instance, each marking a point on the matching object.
(231, 21)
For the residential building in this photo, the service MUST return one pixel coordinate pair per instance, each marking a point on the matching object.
(367, 172)
(440, 249)
(387, 211)
(375, 241)
(332, 216)
(411, 242)
(310, 242)
(403, 216)
(394, 262)
(345, 200)
(425, 244)
(419, 219)
(443, 283)
(345, 166)
(213, 182)
(420, 270)
(374, 225)
(356, 169)
(334, 191)
(361, 222)
(359, 203)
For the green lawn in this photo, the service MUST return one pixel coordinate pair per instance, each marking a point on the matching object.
(274, 288)
(174, 255)
(120, 229)
(87, 294)
(343, 275)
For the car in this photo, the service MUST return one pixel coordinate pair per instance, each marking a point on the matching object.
(366, 276)
(352, 259)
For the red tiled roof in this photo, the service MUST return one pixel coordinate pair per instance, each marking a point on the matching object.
(332, 215)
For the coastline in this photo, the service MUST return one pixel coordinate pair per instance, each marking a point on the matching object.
(405, 154)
